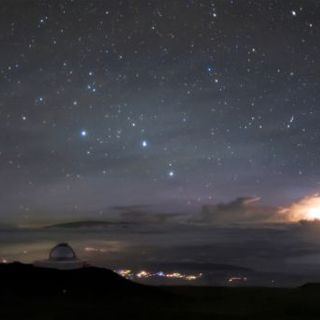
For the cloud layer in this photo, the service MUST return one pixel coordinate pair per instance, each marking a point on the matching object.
(240, 210)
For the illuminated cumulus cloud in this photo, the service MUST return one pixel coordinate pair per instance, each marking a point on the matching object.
(305, 209)
(241, 210)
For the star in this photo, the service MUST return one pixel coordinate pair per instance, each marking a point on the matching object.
(144, 143)
(84, 133)
(210, 69)
(171, 173)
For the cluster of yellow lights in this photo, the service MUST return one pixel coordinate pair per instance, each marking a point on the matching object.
(127, 273)
(143, 274)
(307, 208)
(124, 273)
(237, 279)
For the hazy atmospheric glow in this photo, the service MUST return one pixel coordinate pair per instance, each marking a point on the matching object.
(307, 208)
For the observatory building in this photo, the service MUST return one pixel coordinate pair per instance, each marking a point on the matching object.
(61, 257)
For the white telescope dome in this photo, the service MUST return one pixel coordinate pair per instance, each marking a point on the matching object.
(62, 252)
(61, 257)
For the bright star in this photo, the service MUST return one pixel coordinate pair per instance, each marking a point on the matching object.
(144, 143)
(171, 173)
(84, 133)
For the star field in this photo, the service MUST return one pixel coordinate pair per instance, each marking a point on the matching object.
(169, 104)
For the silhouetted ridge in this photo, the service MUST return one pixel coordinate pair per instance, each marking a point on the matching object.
(81, 224)
(18, 278)
(313, 286)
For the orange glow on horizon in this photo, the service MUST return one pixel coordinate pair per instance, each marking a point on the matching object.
(307, 208)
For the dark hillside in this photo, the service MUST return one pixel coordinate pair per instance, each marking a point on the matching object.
(27, 292)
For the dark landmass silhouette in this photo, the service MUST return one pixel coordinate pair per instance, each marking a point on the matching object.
(28, 292)
(84, 224)
(20, 279)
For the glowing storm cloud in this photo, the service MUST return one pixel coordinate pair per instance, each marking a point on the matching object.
(307, 208)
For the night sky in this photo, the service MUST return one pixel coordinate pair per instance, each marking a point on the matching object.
(183, 118)
(164, 104)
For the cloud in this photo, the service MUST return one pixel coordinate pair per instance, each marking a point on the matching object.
(240, 210)
(307, 208)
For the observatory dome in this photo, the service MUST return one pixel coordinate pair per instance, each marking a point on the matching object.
(62, 252)
(62, 257)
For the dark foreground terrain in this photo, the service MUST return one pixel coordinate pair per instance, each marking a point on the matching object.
(27, 292)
